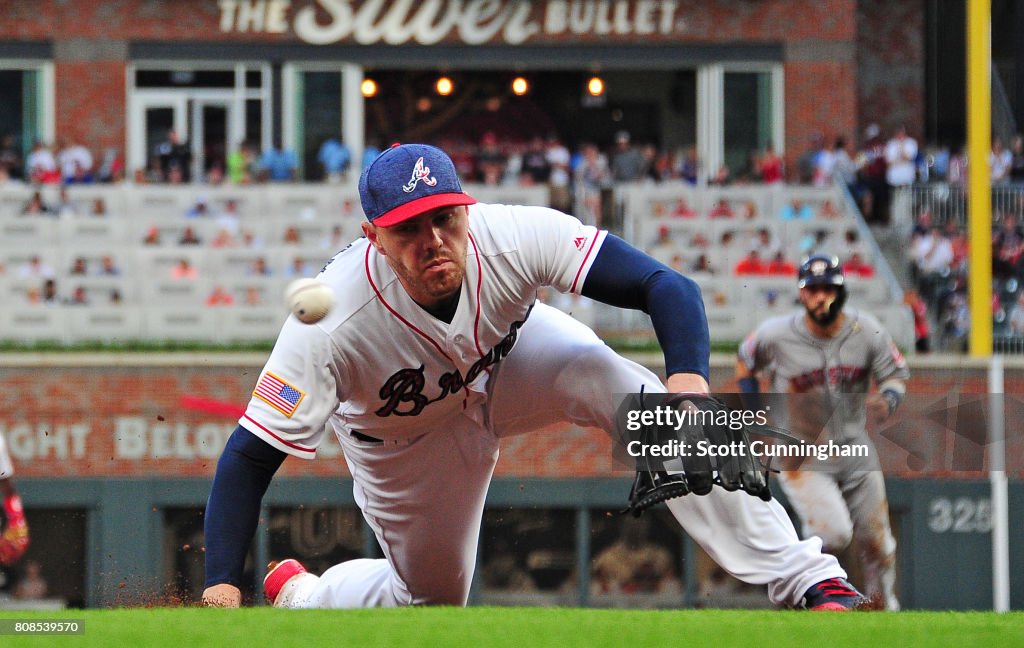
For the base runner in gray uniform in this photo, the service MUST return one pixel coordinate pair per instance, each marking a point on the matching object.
(833, 353)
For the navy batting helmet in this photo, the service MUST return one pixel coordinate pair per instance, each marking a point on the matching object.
(820, 270)
(824, 270)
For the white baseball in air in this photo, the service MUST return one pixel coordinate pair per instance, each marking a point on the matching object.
(309, 299)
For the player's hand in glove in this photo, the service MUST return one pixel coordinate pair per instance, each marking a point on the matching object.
(222, 595)
(707, 422)
(15, 539)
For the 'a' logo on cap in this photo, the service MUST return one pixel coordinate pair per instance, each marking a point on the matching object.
(419, 172)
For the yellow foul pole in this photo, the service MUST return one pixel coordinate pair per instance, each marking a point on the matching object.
(979, 206)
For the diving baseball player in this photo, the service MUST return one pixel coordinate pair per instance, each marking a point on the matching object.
(436, 349)
(14, 540)
(828, 351)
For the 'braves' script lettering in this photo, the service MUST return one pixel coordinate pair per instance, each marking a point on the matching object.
(402, 393)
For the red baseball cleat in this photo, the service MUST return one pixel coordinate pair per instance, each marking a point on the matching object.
(833, 595)
(278, 575)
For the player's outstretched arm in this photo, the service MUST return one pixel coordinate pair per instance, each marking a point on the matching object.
(624, 276)
(243, 474)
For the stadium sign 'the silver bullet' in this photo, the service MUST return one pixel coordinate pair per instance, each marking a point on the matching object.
(426, 22)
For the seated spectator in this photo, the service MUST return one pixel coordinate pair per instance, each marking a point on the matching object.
(223, 239)
(49, 294)
(299, 268)
(229, 219)
(259, 268)
(115, 297)
(291, 236)
(78, 266)
(99, 207)
(335, 240)
(857, 266)
(253, 296)
(828, 210)
(682, 209)
(750, 264)
(780, 266)
(199, 209)
(663, 248)
(219, 296)
(78, 297)
(184, 269)
(702, 265)
(765, 241)
(699, 241)
(189, 237)
(796, 210)
(250, 241)
(749, 211)
(36, 268)
(813, 240)
(721, 210)
(33, 295)
(152, 236)
(36, 206)
(64, 207)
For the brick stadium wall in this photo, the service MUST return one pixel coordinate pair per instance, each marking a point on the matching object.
(846, 61)
(890, 62)
(108, 418)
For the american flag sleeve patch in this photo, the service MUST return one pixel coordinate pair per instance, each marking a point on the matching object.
(279, 394)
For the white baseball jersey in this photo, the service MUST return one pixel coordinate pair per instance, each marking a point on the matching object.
(379, 365)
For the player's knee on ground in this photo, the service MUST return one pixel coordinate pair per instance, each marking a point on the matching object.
(441, 590)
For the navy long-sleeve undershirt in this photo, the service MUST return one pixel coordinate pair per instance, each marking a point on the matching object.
(244, 471)
(624, 276)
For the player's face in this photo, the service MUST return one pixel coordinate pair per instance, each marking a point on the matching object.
(818, 301)
(427, 252)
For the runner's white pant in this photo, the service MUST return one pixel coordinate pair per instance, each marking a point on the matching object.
(842, 505)
(424, 500)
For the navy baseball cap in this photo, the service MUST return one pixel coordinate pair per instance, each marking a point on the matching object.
(407, 180)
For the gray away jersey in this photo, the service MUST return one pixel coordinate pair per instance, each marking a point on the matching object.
(796, 361)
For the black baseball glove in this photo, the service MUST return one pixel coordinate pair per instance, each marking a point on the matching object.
(704, 422)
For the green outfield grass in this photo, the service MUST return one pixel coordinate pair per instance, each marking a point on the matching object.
(520, 628)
